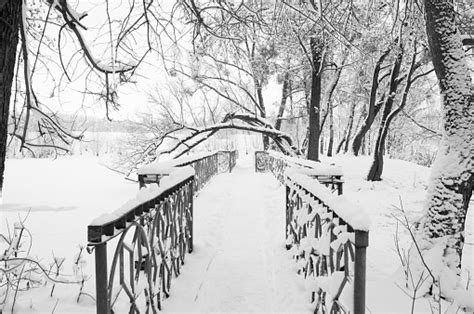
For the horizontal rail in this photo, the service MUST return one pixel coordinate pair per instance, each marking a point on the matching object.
(328, 237)
(154, 232)
(329, 175)
(205, 166)
(111, 225)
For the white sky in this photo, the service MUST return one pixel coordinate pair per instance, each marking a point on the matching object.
(133, 97)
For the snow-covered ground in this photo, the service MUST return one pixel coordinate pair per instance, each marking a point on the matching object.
(403, 182)
(239, 262)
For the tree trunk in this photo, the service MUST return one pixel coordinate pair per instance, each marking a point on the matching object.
(331, 130)
(317, 52)
(265, 138)
(375, 172)
(10, 17)
(321, 143)
(374, 107)
(363, 147)
(341, 143)
(451, 186)
(349, 127)
(284, 95)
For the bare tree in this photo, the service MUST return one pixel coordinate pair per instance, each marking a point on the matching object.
(10, 17)
(34, 123)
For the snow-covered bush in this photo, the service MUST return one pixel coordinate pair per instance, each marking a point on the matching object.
(20, 272)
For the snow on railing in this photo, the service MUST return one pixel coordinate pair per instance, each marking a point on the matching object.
(205, 165)
(156, 231)
(328, 237)
(277, 163)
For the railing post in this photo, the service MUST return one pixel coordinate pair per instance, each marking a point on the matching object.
(255, 159)
(339, 185)
(361, 243)
(102, 300)
(287, 215)
(191, 214)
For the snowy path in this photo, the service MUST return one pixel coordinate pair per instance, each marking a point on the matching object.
(239, 263)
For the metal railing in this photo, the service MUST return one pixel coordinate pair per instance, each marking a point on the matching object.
(149, 236)
(227, 160)
(329, 241)
(155, 235)
(326, 234)
(277, 163)
(205, 166)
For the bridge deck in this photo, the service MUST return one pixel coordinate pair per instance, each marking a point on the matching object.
(239, 262)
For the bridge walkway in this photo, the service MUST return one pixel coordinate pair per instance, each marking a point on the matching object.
(239, 263)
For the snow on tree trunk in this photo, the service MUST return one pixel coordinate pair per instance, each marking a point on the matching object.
(10, 17)
(452, 175)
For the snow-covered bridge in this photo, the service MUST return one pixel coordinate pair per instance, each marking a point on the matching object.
(235, 229)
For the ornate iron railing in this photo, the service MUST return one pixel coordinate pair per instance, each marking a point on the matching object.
(328, 238)
(227, 160)
(205, 166)
(155, 233)
(261, 161)
(150, 236)
(277, 163)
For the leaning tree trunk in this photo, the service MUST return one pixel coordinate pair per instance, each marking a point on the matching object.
(10, 17)
(285, 90)
(451, 185)
(349, 127)
(376, 168)
(263, 114)
(330, 108)
(317, 53)
(331, 130)
(373, 106)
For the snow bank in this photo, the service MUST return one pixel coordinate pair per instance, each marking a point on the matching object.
(145, 194)
(355, 216)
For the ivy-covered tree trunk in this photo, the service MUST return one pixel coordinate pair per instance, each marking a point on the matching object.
(451, 184)
(10, 17)
(317, 53)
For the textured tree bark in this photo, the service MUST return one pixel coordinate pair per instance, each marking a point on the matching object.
(317, 53)
(450, 189)
(10, 17)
